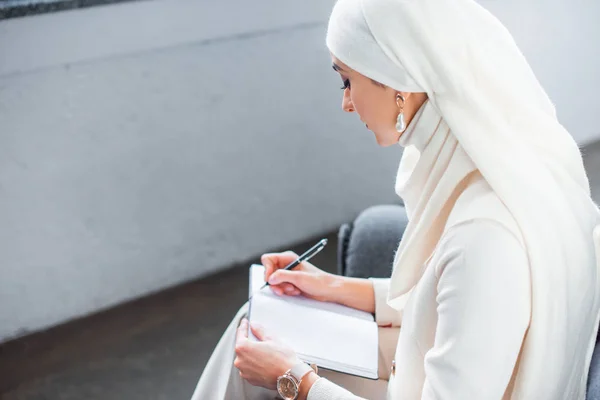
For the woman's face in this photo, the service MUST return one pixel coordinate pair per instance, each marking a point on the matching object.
(374, 103)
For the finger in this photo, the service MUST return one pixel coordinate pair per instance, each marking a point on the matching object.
(296, 278)
(295, 292)
(303, 266)
(242, 331)
(259, 331)
(275, 261)
(284, 289)
(237, 363)
(288, 288)
(267, 261)
(277, 290)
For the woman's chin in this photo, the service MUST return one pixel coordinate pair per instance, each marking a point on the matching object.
(384, 141)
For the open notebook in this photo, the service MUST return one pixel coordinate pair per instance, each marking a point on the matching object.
(330, 335)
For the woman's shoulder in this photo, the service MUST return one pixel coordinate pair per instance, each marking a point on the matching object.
(481, 236)
(482, 251)
(479, 209)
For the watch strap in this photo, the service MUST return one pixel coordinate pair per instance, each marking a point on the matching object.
(299, 370)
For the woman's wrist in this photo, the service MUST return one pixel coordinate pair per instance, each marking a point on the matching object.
(307, 383)
(352, 292)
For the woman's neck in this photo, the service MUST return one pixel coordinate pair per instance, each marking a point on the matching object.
(413, 103)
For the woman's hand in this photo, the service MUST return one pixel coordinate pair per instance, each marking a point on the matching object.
(261, 363)
(304, 279)
(312, 282)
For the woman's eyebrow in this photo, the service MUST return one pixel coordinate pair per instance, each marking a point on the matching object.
(337, 68)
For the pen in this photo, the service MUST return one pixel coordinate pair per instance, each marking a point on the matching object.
(310, 253)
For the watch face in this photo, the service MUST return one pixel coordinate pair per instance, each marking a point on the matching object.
(287, 388)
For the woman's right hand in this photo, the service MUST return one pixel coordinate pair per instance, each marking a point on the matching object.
(305, 279)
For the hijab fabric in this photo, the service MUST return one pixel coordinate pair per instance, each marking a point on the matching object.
(500, 122)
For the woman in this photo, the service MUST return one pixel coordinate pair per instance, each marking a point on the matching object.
(496, 280)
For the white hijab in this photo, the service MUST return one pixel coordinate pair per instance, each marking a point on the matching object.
(502, 123)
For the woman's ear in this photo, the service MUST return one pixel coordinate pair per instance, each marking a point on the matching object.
(406, 95)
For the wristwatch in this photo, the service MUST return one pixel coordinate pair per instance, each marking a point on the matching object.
(288, 384)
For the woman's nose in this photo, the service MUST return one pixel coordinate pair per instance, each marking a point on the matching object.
(347, 103)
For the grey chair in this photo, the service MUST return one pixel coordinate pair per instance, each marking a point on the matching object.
(366, 248)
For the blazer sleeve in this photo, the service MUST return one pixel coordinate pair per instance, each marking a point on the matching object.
(385, 315)
(324, 389)
(483, 306)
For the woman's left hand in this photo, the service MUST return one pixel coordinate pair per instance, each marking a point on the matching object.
(261, 363)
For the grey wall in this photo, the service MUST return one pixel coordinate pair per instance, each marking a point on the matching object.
(149, 143)
(146, 144)
(561, 40)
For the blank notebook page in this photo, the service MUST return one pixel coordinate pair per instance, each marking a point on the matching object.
(334, 336)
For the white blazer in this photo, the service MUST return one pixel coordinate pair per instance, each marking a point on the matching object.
(464, 322)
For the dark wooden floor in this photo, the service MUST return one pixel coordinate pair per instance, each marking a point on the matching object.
(152, 348)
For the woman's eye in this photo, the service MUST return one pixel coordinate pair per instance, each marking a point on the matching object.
(346, 84)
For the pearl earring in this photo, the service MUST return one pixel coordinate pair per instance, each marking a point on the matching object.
(400, 124)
